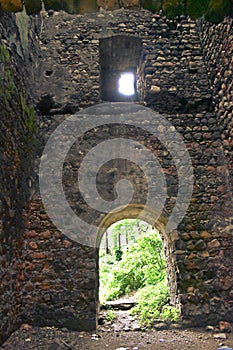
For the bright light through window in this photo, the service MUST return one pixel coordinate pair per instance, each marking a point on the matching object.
(126, 84)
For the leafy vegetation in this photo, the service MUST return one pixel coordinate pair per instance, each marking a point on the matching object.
(172, 8)
(153, 303)
(141, 270)
(196, 9)
(217, 9)
(143, 263)
(32, 6)
(212, 10)
(110, 316)
(124, 232)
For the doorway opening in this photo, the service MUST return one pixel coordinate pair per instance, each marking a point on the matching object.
(119, 62)
(132, 275)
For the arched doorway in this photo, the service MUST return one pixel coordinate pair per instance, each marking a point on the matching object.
(131, 214)
(135, 166)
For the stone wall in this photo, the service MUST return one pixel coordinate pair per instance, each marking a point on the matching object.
(58, 276)
(17, 144)
(173, 80)
(59, 284)
(217, 49)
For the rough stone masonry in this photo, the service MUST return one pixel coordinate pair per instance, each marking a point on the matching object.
(184, 73)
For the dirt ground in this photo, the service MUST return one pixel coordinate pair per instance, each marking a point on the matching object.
(122, 334)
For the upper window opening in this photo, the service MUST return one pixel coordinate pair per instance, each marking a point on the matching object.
(119, 60)
(126, 84)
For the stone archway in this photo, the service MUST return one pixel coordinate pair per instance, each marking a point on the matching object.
(132, 212)
(129, 161)
(58, 276)
(143, 165)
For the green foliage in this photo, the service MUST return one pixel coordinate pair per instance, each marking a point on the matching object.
(170, 313)
(53, 5)
(28, 134)
(196, 9)
(110, 316)
(28, 118)
(32, 6)
(218, 9)
(212, 10)
(152, 5)
(7, 84)
(11, 91)
(142, 264)
(118, 254)
(173, 8)
(4, 54)
(8, 89)
(142, 269)
(153, 304)
(130, 227)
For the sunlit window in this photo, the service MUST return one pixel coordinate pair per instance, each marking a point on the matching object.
(126, 84)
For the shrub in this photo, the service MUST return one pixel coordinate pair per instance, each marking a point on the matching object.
(110, 316)
(153, 304)
(142, 264)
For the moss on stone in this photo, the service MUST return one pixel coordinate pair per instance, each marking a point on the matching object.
(18, 122)
(7, 85)
(4, 55)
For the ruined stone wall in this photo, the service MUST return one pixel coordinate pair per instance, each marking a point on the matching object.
(59, 279)
(173, 80)
(217, 41)
(17, 142)
(59, 284)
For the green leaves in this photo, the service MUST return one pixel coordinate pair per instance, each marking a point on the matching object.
(173, 8)
(33, 6)
(218, 9)
(152, 5)
(196, 9)
(142, 269)
(142, 264)
(53, 5)
(153, 304)
(212, 10)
